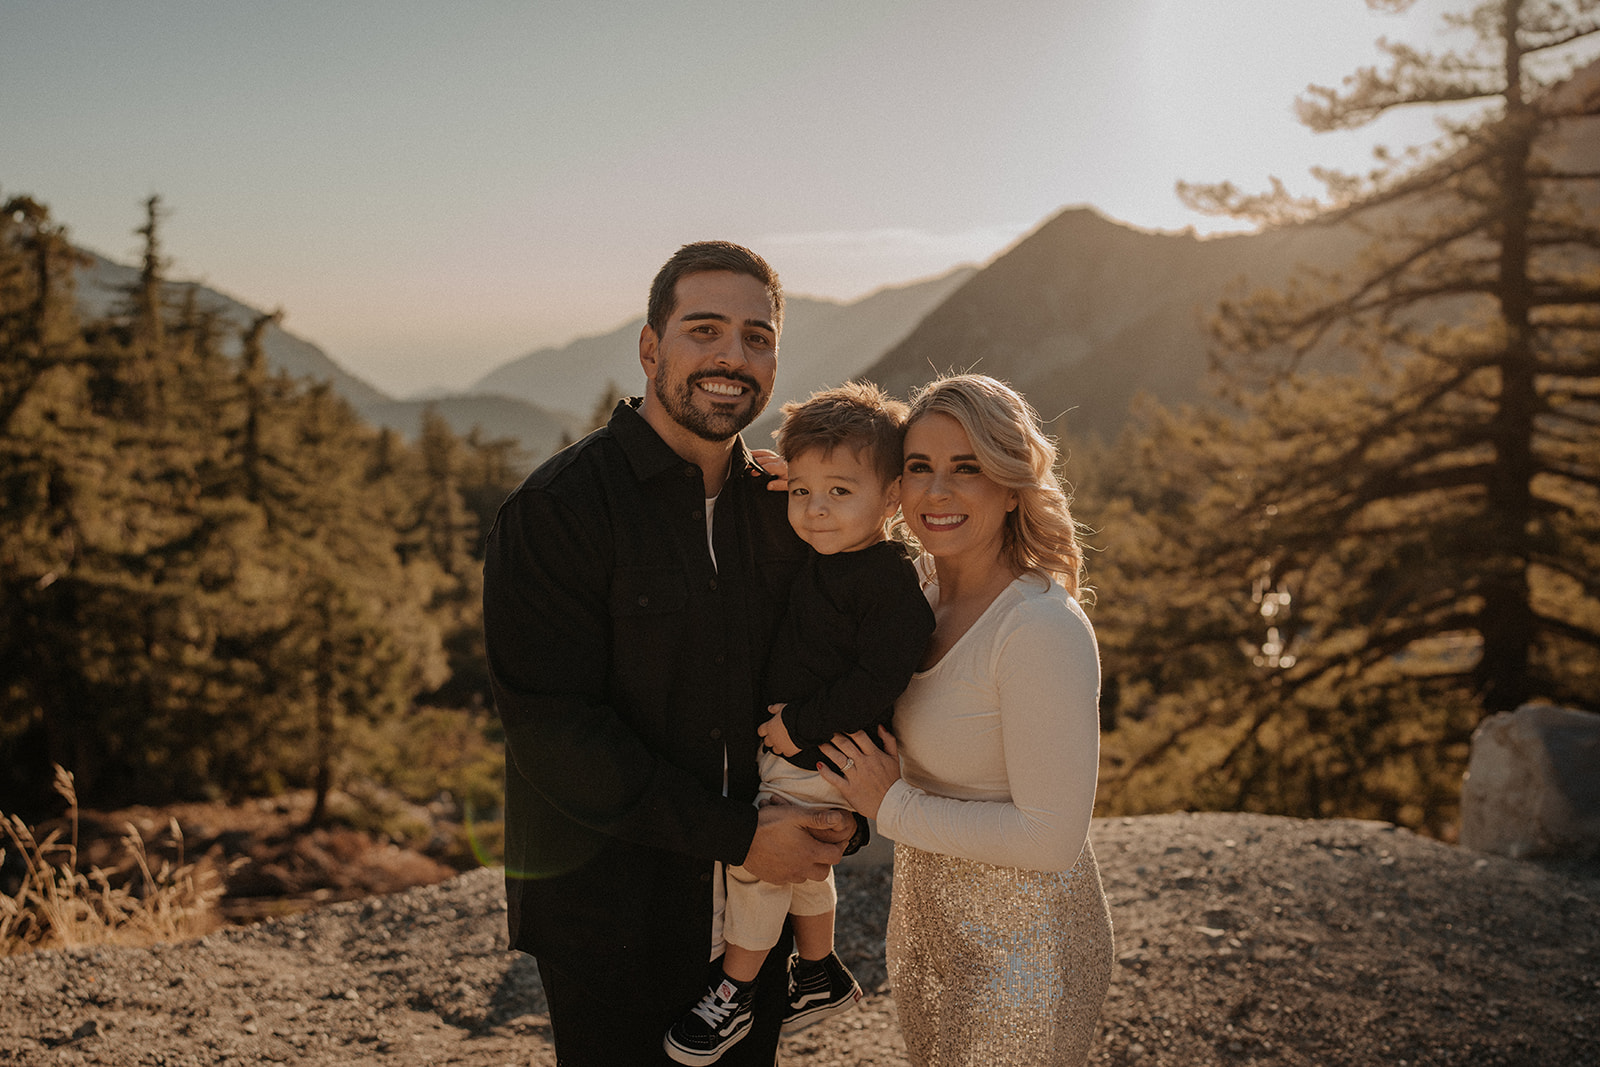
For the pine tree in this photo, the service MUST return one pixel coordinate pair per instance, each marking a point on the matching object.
(352, 633)
(492, 468)
(47, 455)
(99, 534)
(1372, 561)
(1478, 305)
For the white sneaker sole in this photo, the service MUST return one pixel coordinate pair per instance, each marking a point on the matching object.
(696, 1058)
(820, 1012)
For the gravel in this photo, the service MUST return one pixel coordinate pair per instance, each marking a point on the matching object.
(1241, 939)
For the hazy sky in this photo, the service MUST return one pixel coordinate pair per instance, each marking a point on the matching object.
(432, 189)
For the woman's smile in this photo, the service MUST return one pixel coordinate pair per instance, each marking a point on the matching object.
(942, 521)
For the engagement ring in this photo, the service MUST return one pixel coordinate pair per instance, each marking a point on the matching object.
(848, 763)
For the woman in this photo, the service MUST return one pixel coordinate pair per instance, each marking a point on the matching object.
(999, 944)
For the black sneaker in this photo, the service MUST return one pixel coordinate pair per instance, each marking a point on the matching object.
(716, 1024)
(818, 989)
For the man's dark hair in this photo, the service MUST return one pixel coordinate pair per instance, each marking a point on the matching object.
(703, 256)
(859, 416)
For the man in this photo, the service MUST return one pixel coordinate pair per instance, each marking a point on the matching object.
(632, 586)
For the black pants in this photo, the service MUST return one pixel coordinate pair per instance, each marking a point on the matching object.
(592, 1033)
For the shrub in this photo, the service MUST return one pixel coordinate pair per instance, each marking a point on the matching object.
(56, 905)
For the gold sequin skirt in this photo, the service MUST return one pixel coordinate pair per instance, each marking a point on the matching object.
(997, 965)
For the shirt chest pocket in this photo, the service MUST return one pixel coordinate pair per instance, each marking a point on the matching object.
(654, 643)
(637, 592)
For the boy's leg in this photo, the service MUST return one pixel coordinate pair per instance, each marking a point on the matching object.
(811, 910)
(813, 934)
(760, 1046)
(754, 919)
(819, 983)
(724, 1017)
(743, 964)
(590, 1032)
(737, 1027)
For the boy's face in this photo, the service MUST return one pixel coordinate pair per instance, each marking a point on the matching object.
(837, 503)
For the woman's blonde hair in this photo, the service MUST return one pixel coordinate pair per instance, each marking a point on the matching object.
(1013, 451)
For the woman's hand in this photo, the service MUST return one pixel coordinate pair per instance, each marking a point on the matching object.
(775, 465)
(866, 771)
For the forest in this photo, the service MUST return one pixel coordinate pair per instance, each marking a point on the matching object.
(217, 582)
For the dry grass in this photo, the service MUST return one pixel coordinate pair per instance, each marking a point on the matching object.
(56, 905)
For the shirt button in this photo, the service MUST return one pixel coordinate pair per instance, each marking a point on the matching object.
(716, 733)
(644, 602)
(720, 658)
(691, 472)
(712, 584)
(697, 514)
(705, 876)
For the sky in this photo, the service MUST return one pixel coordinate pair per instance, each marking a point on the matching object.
(430, 190)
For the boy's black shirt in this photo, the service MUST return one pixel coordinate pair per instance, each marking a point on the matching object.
(855, 631)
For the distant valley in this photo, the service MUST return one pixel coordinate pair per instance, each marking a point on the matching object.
(1082, 315)
(824, 343)
(548, 397)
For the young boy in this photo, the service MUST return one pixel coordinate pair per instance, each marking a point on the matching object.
(856, 629)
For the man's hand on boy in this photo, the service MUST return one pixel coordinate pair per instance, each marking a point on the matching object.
(775, 465)
(775, 734)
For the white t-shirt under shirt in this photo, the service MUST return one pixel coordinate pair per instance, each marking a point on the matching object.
(1000, 740)
(719, 892)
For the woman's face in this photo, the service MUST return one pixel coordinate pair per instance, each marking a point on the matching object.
(949, 503)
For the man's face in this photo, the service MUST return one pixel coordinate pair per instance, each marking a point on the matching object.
(711, 371)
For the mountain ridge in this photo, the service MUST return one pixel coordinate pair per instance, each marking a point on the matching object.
(824, 342)
(1085, 313)
(102, 285)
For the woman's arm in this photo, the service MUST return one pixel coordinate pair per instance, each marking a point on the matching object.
(1046, 673)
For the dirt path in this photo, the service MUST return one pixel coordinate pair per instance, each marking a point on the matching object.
(1240, 940)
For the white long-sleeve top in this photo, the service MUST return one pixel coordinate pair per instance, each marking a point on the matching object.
(1000, 740)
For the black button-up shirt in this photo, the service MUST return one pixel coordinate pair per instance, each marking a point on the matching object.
(625, 669)
(855, 631)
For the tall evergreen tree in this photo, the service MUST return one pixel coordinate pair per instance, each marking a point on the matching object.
(48, 453)
(99, 532)
(1375, 560)
(490, 470)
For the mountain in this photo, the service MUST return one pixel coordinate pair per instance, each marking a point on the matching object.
(102, 285)
(1084, 313)
(540, 433)
(824, 343)
(1081, 315)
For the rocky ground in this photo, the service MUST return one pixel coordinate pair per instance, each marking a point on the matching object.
(1241, 940)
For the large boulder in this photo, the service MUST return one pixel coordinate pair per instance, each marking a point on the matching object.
(1532, 786)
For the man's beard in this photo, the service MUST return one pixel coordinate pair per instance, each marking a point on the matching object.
(711, 425)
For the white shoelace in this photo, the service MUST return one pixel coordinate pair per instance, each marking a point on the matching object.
(713, 1009)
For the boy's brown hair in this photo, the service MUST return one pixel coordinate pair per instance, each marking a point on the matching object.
(859, 415)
